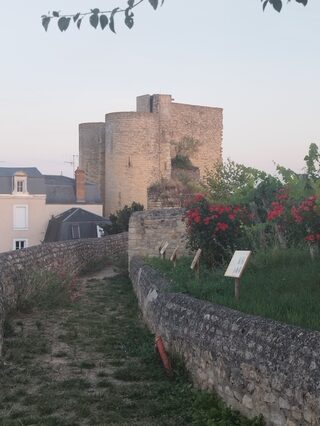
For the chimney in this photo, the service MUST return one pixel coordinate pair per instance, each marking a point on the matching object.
(80, 178)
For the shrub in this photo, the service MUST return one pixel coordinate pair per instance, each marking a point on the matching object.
(120, 220)
(215, 228)
(296, 221)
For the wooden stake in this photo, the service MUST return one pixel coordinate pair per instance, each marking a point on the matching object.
(237, 288)
(195, 265)
(174, 256)
(160, 247)
(197, 269)
(163, 250)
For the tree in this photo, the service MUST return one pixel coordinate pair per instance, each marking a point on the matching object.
(97, 17)
(120, 220)
(106, 18)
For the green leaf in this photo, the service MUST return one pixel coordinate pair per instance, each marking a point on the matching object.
(95, 11)
(63, 23)
(111, 21)
(79, 22)
(130, 3)
(103, 21)
(265, 4)
(277, 5)
(46, 22)
(76, 17)
(154, 3)
(304, 2)
(129, 18)
(94, 20)
(55, 14)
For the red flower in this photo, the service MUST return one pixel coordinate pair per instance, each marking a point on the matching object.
(310, 237)
(277, 210)
(295, 214)
(232, 216)
(221, 226)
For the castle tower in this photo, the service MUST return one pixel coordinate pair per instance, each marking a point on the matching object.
(133, 150)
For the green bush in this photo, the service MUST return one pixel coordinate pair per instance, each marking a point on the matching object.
(215, 228)
(120, 220)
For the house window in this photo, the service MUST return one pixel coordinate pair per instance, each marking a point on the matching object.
(20, 244)
(20, 183)
(20, 217)
(20, 186)
(75, 229)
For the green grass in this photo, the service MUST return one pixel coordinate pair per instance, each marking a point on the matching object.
(283, 285)
(94, 363)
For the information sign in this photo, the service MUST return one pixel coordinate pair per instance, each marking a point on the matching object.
(237, 264)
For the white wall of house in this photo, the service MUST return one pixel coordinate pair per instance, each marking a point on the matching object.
(24, 219)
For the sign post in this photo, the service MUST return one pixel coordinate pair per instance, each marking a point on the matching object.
(195, 265)
(174, 256)
(236, 268)
(160, 247)
(163, 250)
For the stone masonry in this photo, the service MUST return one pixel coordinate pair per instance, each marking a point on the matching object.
(132, 150)
(256, 365)
(66, 256)
(147, 229)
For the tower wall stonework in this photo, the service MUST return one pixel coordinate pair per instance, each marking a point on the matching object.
(92, 153)
(133, 155)
(133, 150)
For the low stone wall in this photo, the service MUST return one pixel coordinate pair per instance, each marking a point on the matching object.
(67, 256)
(256, 365)
(149, 227)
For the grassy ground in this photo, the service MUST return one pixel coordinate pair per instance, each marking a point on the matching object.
(280, 284)
(92, 362)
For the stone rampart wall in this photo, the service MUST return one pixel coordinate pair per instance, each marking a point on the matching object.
(256, 365)
(67, 256)
(147, 229)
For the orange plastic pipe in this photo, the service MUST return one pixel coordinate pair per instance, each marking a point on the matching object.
(163, 355)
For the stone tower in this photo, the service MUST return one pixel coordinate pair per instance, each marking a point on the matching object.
(132, 150)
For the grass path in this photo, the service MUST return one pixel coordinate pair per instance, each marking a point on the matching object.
(93, 363)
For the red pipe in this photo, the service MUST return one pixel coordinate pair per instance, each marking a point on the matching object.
(163, 355)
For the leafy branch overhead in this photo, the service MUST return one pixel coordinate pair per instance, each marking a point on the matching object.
(106, 18)
(96, 17)
(277, 4)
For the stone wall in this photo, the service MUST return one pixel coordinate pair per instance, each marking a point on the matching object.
(148, 228)
(67, 256)
(136, 147)
(256, 365)
(134, 158)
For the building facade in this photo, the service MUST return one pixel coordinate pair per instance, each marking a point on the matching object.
(29, 199)
(130, 151)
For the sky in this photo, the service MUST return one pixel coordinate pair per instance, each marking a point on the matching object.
(262, 68)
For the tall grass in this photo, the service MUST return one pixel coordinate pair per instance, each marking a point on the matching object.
(283, 285)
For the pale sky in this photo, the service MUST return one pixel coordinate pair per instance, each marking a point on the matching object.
(263, 69)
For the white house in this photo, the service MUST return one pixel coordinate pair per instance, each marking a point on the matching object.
(28, 200)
